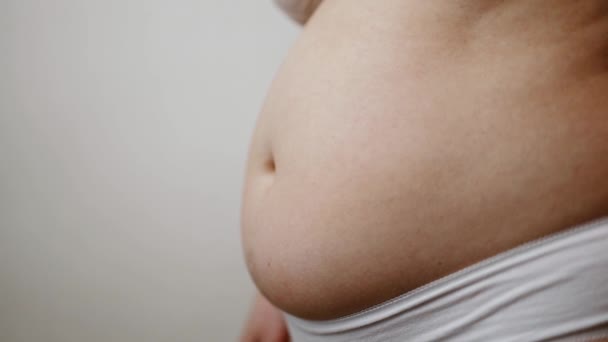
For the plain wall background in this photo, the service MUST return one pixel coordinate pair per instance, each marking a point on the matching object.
(124, 127)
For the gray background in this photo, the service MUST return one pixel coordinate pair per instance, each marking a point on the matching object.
(124, 126)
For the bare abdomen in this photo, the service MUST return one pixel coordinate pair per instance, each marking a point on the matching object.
(384, 159)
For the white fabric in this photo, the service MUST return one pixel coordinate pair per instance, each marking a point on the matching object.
(299, 10)
(552, 289)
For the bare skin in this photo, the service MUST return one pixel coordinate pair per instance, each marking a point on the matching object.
(265, 323)
(403, 140)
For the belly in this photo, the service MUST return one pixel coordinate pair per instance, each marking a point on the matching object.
(387, 157)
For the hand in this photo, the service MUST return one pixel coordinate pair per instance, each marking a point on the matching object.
(265, 323)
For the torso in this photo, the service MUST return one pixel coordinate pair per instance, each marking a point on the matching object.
(404, 140)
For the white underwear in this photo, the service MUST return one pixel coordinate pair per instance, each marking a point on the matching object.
(552, 289)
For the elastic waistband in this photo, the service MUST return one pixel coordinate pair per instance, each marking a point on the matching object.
(557, 280)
